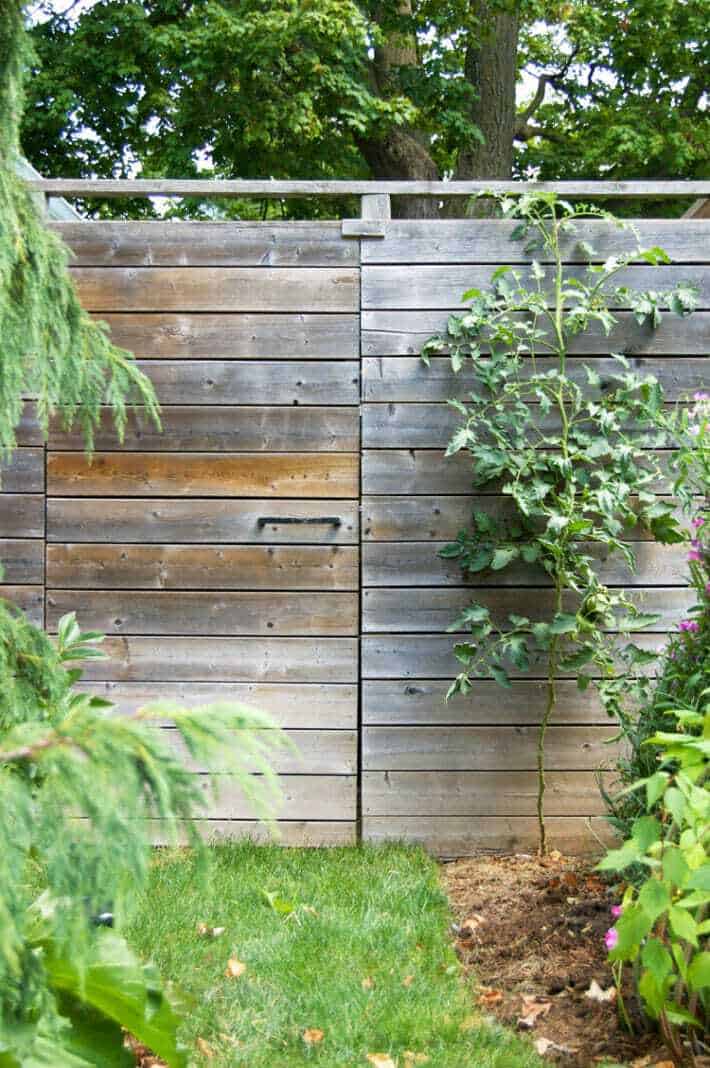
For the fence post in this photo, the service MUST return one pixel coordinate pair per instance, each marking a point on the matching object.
(375, 213)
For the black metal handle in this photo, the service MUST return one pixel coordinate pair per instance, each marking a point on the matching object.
(332, 520)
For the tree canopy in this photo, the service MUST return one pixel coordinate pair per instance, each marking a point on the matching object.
(337, 88)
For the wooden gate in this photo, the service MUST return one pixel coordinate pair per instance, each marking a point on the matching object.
(225, 557)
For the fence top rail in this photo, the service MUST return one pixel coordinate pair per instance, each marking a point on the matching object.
(167, 187)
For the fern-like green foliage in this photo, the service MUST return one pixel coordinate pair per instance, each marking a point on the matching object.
(50, 347)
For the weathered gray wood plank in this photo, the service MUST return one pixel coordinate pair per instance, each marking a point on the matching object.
(407, 378)
(304, 797)
(216, 613)
(273, 660)
(396, 702)
(198, 520)
(430, 656)
(207, 244)
(404, 333)
(227, 429)
(419, 288)
(478, 793)
(171, 336)
(219, 567)
(458, 241)
(22, 561)
(253, 382)
(426, 610)
(322, 752)
(23, 472)
(417, 564)
(219, 289)
(293, 833)
(21, 515)
(294, 705)
(458, 836)
(30, 599)
(111, 474)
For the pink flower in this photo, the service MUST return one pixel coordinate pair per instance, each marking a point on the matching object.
(707, 588)
(694, 554)
(688, 626)
(611, 938)
(698, 522)
(701, 396)
(616, 911)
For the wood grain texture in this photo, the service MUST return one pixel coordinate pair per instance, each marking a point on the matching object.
(201, 244)
(404, 333)
(272, 660)
(21, 515)
(227, 429)
(203, 475)
(254, 381)
(172, 336)
(216, 613)
(217, 567)
(459, 836)
(221, 289)
(397, 702)
(23, 472)
(29, 599)
(304, 797)
(418, 564)
(478, 793)
(455, 241)
(198, 520)
(295, 705)
(22, 561)
(407, 378)
(290, 833)
(306, 753)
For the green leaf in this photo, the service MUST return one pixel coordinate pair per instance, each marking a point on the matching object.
(657, 959)
(655, 786)
(675, 868)
(618, 859)
(699, 971)
(654, 898)
(645, 831)
(564, 623)
(502, 557)
(683, 924)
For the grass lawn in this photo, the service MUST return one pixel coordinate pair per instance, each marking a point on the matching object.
(348, 942)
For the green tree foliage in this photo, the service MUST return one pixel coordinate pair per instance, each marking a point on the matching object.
(337, 88)
(569, 453)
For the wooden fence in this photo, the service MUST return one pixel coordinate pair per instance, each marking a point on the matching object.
(277, 542)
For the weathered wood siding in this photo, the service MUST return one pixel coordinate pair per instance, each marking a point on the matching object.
(250, 334)
(460, 776)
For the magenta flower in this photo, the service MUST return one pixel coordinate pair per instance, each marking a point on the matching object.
(611, 938)
(698, 522)
(701, 396)
(688, 626)
(694, 555)
(707, 588)
(616, 911)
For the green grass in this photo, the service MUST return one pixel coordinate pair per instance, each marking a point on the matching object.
(341, 916)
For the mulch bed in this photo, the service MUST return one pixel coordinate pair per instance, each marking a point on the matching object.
(531, 932)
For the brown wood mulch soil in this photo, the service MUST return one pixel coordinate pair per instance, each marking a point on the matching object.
(531, 932)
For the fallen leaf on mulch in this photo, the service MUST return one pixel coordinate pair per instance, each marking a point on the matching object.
(205, 931)
(546, 1045)
(204, 1048)
(381, 1060)
(234, 968)
(145, 1058)
(596, 993)
(469, 926)
(533, 1008)
(486, 998)
(313, 1035)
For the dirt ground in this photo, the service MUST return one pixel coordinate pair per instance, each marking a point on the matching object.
(532, 934)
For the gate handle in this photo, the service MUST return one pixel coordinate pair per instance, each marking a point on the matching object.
(332, 520)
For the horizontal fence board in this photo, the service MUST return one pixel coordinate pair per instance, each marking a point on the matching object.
(23, 472)
(273, 660)
(195, 520)
(427, 610)
(305, 753)
(21, 515)
(22, 561)
(492, 748)
(218, 613)
(407, 378)
(479, 793)
(222, 289)
(418, 564)
(288, 833)
(233, 337)
(420, 288)
(203, 474)
(440, 518)
(227, 429)
(404, 333)
(29, 599)
(205, 244)
(219, 567)
(457, 836)
(303, 797)
(252, 381)
(431, 656)
(457, 241)
(295, 705)
(394, 702)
